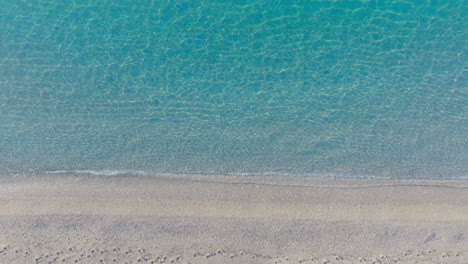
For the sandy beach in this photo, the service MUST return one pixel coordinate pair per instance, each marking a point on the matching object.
(166, 218)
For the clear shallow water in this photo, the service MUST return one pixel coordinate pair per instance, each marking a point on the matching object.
(353, 88)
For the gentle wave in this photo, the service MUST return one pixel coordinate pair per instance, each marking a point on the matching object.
(100, 172)
(278, 179)
(243, 174)
(235, 174)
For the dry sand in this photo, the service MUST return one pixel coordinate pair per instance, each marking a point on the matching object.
(224, 219)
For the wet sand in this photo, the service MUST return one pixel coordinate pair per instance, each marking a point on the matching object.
(223, 219)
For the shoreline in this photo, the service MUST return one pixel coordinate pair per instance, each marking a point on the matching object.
(270, 217)
(319, 181)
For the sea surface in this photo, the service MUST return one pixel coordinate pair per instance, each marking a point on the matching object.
(282, 87)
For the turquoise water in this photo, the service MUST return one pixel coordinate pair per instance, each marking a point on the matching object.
(350, 88)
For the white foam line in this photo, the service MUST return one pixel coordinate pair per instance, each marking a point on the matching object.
(100, 172)
(192, 178)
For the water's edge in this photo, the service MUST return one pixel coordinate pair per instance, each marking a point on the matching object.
(265, 179)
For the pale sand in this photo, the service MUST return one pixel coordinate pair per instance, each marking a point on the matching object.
(227, 219)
